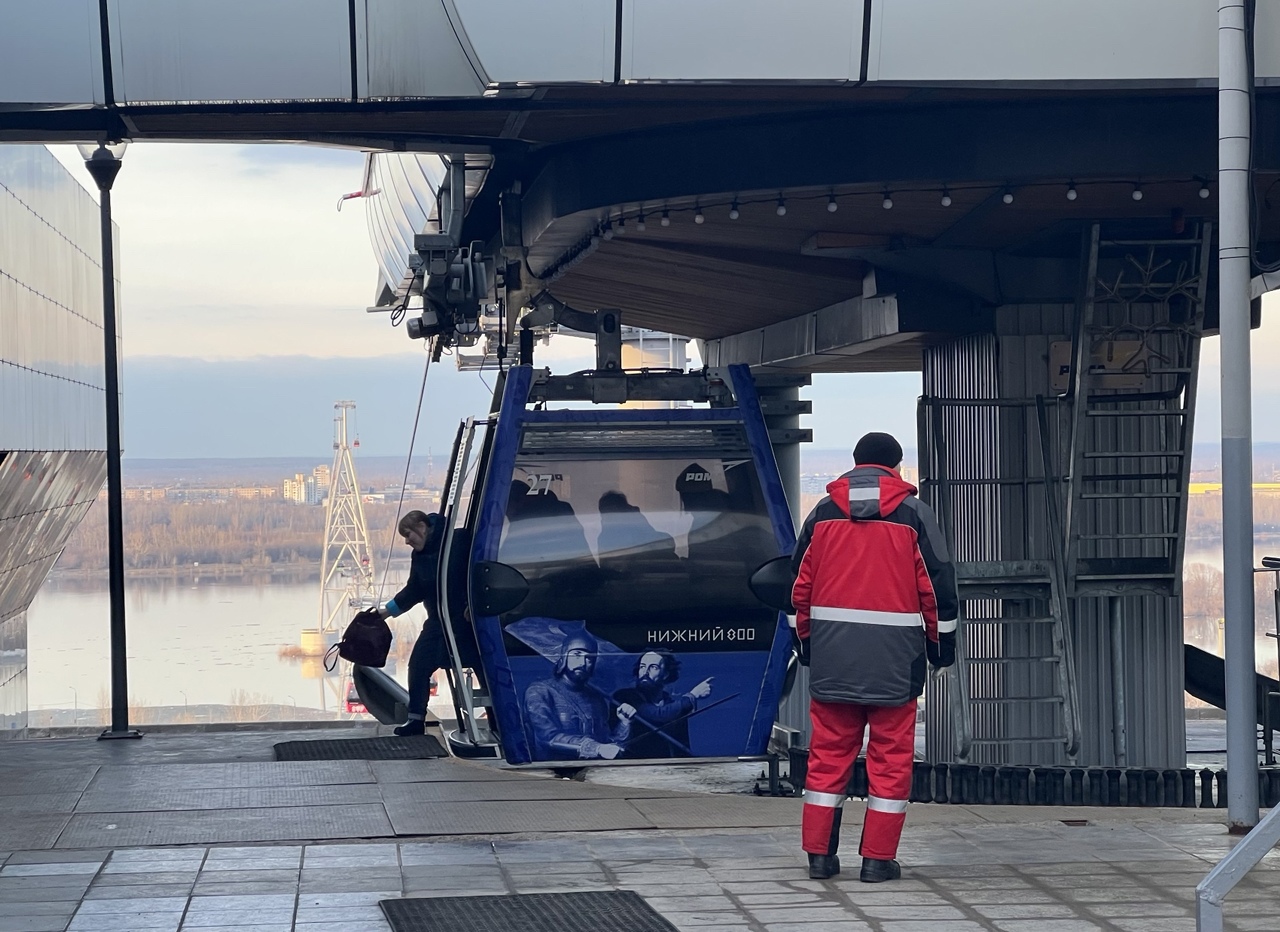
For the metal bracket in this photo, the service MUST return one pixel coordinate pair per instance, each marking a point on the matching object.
(774, 406)
(451, 209)
(779, 435)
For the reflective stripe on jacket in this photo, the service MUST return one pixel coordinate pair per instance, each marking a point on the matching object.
(873, 583)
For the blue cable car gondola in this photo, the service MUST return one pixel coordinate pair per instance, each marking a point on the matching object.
(595, 573)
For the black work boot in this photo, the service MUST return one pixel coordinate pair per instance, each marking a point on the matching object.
(415, 726)
(823, 866)
(876, 871)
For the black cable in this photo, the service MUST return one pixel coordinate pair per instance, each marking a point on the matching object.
(395, 527)
(397, 313)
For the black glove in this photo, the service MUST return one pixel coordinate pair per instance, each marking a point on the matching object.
(802, 651)
(942, 653)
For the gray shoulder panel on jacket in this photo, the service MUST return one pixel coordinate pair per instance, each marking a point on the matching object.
(931, 526)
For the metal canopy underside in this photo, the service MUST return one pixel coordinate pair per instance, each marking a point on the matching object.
(587, 156)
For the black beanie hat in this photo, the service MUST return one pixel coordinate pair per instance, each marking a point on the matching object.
(877, 449)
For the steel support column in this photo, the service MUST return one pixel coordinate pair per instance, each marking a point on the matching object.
(1234, 269)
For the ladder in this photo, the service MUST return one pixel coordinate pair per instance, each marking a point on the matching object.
(1131, 401)
(1011, 696)
(1015, 671)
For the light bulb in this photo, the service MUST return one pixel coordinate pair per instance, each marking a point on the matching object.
(608, 232)
(698, 218)
(832, 206)
(733, 211)
(1137, 193)
(887, 203)
(782, 208)
(946, 198)
(666, 219)
(622, 225)
(640, 224)
(1204, 189)
(1072, 194)
(1008, 197)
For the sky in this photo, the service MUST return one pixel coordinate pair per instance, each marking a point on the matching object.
(243, 315)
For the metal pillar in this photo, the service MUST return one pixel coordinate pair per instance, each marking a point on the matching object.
(1119, 711)
(782, 406)
(103, 164)
(1234, 268)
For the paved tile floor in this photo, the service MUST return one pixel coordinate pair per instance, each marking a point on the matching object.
(1133, 876)
(205, 832)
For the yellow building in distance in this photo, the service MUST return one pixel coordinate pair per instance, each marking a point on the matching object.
(1215, 488)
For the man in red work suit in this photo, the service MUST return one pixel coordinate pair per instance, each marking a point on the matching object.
(875, 594)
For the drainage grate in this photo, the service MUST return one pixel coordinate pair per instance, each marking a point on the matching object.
(602, 911)
(415, 747)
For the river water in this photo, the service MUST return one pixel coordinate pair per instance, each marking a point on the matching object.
(193, 642)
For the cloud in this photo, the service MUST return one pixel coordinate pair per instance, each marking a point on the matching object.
(236, 251)
(1264, 347)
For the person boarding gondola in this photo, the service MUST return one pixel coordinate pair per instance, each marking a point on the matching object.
(421, 532)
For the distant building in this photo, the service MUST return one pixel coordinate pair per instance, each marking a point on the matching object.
(52, 429)
(303, 490)
(323, 478)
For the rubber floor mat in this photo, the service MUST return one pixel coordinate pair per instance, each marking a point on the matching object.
(600, 911)
(414, 747)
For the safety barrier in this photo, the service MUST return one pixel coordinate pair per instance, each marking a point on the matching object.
(974, 785)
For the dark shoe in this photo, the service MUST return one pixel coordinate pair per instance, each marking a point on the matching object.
(415, 726)
(874, 871)
(823, 866)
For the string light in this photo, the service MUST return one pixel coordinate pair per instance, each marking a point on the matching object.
(611, 227)
(618, 226)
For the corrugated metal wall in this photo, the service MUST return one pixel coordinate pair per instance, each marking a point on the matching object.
(960, 448)
(1007, 521)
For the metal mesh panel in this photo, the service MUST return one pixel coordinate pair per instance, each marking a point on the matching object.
(595, 911)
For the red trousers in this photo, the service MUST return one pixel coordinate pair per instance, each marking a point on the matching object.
(836, 743)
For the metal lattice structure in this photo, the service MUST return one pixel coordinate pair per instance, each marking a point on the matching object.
(1069, 534)
(346, 569)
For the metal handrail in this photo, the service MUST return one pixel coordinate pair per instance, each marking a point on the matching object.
(1243, 858)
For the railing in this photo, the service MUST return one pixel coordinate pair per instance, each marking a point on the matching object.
(1243, 858)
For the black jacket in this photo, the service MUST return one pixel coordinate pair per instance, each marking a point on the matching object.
(421, 587)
